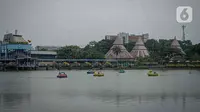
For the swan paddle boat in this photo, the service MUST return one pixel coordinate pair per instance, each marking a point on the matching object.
(98, 74)
(121, 71)
(62, 75)
(90, 72)
(151, 73)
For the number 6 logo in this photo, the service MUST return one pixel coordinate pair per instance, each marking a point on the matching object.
(184, 14)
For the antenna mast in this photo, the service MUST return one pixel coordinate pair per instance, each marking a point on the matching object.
(183, 28)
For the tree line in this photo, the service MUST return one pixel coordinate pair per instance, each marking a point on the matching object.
(158, 49)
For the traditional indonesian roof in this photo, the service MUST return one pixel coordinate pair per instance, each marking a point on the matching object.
(123, 54)
(175, 44)
(118, 41)
(139, 50)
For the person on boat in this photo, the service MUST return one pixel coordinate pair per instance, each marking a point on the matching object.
(100, 72)
(62, 73)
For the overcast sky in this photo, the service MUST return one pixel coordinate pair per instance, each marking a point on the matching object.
(66, 22)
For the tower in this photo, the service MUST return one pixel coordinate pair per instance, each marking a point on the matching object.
(183, 28)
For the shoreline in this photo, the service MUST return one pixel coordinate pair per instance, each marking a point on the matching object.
(78, 68)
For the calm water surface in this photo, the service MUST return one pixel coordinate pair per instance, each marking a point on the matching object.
(134, 91)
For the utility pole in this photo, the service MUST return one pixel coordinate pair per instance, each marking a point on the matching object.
(183, 28)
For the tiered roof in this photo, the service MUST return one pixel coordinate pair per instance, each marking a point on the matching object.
(124, 54)
(175, 45)
(139, 50)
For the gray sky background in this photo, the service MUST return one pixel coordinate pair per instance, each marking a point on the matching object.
(67, 22)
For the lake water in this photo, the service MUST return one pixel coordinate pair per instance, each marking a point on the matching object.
(133, 91)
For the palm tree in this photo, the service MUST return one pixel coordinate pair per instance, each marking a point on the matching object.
(117, 51)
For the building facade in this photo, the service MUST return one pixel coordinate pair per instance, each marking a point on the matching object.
(134, 38)
(110, 37)
(48, 48)
(128, 37)
(44, 54)
(15, 51)
(124, 36)
(14, 46)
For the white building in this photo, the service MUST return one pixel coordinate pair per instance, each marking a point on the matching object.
(124, 36)
(128, 37)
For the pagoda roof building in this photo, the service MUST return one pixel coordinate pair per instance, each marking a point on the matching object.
(139, 50)
(175, 45)
(124, 54)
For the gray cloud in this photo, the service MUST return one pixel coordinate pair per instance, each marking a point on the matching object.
(61, 22)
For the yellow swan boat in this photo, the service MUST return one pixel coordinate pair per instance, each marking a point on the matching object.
(98, 74)
(151, 73)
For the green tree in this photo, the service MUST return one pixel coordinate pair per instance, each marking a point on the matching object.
(116, 51)
(92, 54)
(129, 46)
(69, 52)
(153, 47)
(195, 57)
(159, 50)
(43, 49)
(185, 44)
(104, 45)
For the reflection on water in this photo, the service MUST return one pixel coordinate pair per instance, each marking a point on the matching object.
(123, 99)
(133, 91)
(14, 101)
(11, 101)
